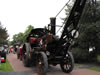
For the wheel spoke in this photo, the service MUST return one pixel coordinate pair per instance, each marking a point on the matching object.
(67, 63)
(42, 64)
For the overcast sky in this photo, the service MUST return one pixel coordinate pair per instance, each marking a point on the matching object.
(16, 15)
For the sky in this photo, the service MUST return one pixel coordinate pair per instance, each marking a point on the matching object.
(16, 15)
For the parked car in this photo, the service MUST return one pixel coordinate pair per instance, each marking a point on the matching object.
(2, 54)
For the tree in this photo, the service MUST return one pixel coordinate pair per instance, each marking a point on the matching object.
(89, 30)
(29, 28)
(20, 37)
(3, 35)
(91, 12)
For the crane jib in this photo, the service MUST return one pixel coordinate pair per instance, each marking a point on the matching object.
(73, 18)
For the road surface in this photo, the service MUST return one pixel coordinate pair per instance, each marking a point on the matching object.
(21, 70)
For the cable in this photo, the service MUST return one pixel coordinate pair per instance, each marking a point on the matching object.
(59, 13)
(60, 28)
(62, 8)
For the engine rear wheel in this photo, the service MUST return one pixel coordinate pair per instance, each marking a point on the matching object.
(42, 64)
(67, 63)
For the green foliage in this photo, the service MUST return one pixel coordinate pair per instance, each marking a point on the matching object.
(98, 58)
(80, 54)
(20, 37)
(3, 35)
(89, 31)
(89, 35)
(94, 68)
(29, 28)
(91, 12)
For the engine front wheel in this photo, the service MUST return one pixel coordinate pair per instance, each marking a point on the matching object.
(67, 63)
(25, 58)
(26, 61)
(42, 64)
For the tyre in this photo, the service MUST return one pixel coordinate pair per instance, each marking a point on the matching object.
(42, 64)
(25, 59)
(67, 63)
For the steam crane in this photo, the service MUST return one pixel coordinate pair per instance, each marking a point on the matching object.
(42, 47)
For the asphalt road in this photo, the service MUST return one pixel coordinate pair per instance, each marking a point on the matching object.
(53, 70)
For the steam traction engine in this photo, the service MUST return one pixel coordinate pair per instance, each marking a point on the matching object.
(43, 47)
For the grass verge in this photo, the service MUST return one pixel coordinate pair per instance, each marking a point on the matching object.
(6, 67)
(77, 64)
(94, 68)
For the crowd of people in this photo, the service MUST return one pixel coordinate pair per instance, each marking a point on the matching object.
(10, 49)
